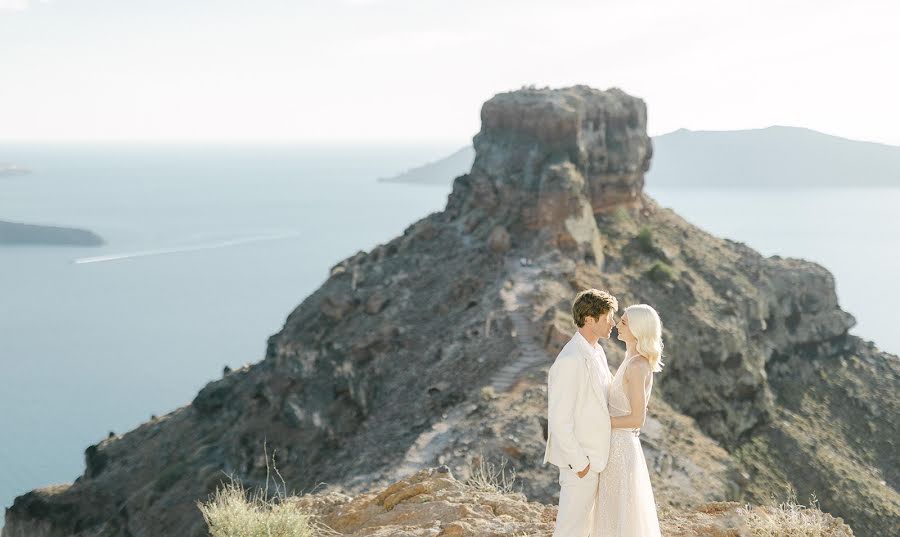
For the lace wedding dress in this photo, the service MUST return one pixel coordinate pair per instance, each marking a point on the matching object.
(625, 504)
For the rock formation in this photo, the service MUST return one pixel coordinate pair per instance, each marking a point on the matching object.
(432, 503)
(433, 349)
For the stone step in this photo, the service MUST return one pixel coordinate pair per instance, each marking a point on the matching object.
(529, 352)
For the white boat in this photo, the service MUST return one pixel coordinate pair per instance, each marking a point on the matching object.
(7, 170)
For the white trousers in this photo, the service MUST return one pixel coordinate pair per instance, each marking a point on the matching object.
(577, 501)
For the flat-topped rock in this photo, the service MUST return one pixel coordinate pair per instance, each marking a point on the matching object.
(548, 160)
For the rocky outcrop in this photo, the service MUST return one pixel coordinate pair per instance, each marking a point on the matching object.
(546, 161)
(429, 503)
(432, 503)
(390, 365)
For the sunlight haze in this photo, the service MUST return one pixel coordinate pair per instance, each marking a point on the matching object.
(401, 71)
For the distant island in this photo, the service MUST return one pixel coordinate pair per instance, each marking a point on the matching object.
(15, 233)
(439, 172)
(9, 170)
(777, 156)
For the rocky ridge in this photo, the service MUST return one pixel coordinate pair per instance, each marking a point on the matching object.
(433, 349)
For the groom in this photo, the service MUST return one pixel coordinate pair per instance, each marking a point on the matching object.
(578, 420)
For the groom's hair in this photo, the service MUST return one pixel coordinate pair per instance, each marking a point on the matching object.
(592, 303)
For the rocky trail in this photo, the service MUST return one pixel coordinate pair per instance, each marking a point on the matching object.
(432, 442)
(515, 305)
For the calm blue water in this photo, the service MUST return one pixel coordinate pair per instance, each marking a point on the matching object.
(86, 348)
(220, 244)
(854, 233)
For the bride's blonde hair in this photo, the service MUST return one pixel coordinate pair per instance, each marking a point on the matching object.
(644, 323)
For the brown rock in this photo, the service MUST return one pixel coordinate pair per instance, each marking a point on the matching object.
(434, 503)
(499, 241)
(336, 306)
(375, 303)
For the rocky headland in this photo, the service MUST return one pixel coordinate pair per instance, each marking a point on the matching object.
(17, 233)
(433, 348)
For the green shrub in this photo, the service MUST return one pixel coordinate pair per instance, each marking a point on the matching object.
(645, 240)
(661, 272)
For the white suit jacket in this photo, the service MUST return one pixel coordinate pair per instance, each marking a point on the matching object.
(578, 418)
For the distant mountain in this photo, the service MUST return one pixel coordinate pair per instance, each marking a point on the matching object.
(438, 172)
(775, 156)
(15, 233)
(772, 157)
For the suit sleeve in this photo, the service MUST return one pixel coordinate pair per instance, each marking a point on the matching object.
(562, 384)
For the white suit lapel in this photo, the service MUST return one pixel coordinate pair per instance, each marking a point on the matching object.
(594, 375)
(604, 366)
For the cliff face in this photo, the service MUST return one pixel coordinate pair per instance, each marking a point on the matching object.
(433, 349)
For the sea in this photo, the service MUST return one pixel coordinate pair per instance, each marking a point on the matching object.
(210, 247)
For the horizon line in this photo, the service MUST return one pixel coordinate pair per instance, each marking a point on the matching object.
(361, 142)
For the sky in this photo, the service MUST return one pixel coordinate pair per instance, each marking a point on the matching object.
(407, 71)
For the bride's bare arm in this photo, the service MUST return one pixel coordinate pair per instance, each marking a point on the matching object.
(634, 379)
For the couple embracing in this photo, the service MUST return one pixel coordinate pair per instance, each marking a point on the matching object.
(594, 420)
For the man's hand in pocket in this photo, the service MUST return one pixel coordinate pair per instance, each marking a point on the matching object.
(585, 471)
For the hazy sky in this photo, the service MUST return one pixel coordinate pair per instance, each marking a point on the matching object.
(419, 70)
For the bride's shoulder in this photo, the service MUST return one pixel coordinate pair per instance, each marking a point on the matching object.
(638, 367)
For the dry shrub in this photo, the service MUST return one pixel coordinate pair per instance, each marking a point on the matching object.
(232, 512)
(789, 519)
(487, 477)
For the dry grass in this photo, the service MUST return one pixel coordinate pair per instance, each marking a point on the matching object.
(488, 393)
(785, 519)
(486, 477)
(789, 518)
(232, 512)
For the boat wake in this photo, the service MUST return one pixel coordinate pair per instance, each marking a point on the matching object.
(165, 251)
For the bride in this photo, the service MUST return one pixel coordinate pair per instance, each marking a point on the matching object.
(625, 505)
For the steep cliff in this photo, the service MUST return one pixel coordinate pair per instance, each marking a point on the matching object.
(433, 349)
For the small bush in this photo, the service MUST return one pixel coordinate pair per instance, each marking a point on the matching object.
(661, 272)
(615, 224)
(485, 477)
(788, 519)
(488, 393)
(645, 240)
(233, 513)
